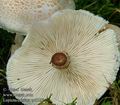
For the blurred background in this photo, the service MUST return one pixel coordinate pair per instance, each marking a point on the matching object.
(108, 9)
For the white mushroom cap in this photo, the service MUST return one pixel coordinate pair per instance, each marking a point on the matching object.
(67, 57)
(67, 4)
(117, 31)
(17, 15)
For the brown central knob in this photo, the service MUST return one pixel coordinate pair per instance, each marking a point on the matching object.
(59, 59)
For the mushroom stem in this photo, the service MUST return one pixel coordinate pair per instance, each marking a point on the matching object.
(18, 42)
(60, 60)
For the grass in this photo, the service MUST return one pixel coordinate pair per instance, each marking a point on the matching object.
(108, 9)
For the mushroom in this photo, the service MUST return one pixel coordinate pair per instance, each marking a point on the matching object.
(117, 31)
(17, 15)
(67, 57)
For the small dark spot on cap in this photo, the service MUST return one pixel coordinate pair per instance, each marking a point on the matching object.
(18, 78)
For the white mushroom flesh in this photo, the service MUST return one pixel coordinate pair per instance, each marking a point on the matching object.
(93, 60)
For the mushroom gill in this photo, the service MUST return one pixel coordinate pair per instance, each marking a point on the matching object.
(67, 58)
